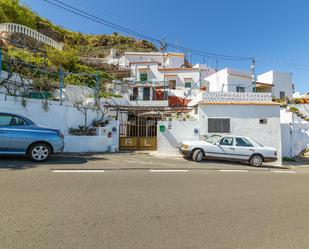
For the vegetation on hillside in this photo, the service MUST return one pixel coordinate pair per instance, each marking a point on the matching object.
(13, 11)
(43, 65)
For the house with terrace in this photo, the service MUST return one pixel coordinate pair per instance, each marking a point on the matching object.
(163, 76)
(279, 84)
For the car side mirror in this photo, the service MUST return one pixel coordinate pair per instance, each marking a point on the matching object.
(217, 143)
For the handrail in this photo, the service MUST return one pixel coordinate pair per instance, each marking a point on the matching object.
(21, 29)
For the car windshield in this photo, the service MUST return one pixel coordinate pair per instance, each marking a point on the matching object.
(213, 139)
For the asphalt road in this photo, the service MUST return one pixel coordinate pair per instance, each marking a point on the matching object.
(137, 201)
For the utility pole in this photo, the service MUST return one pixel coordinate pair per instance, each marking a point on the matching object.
(0, 62)
(97, 89)
(253, 74)
(61, 83)
(163, 47)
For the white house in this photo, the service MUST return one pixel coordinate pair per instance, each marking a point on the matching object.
(154, 71)
(282, 82)
(230, 80)
(279, 84)
(245, 114)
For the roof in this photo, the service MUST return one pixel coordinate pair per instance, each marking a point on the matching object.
(143, 62)
(264, 84)
(168, 69)
(154, 54)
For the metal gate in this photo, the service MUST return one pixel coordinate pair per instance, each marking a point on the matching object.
(138, 133)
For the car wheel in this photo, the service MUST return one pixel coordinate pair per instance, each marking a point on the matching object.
(39, 152)
(256, 161)
(198, 155)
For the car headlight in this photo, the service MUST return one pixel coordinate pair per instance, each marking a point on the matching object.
(185, 146)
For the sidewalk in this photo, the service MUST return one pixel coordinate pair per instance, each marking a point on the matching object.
(300, 162)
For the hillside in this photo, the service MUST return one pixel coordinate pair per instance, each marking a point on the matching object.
(47, 61)
(95, 45)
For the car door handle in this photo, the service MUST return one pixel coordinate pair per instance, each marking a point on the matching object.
(1, 132)
(251, 149)
(232, 148)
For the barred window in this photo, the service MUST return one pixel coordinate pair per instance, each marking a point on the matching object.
(219, 125)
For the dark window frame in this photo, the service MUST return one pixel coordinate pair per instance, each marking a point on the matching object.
(263, 121)
(11, 118)
(218, 125)
(240, 89)
(231, 144)
(188, 83)
(244, 139)
(143, 77)
(26, 123)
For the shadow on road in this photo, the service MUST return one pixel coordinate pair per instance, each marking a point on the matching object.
(236, 163)
(23, 162)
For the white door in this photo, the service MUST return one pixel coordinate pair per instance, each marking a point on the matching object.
(243, 148)
(226, 147)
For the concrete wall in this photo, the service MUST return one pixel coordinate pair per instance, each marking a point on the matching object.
(245, 121)
(294, 134)
(100, 143)
(175, 133)
(64, 117)
(61, 117)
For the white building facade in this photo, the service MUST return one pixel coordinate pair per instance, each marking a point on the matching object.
(279, 84)
(245, 114)
(282, 83)
(169, 71)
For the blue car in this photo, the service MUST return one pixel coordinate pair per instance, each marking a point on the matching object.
(21, 136)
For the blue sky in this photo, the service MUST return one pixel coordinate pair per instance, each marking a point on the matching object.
(272, 30)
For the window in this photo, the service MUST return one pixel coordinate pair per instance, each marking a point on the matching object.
(172, 84)
(282, 95)
(146, 93)
(135, 93)
(5, 120)
(227, 141)
(16, 121)
(8, 120)
(243, 142)
(240, 89)
(143, 77)
(263, 121)
(217, 125)
(187, 84)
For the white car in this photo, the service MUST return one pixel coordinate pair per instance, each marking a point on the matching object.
(233, 148)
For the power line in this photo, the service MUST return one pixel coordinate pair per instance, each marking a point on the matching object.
(282, 62)
(94, 18)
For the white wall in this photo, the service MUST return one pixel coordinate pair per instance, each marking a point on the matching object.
(181, 76)
(227, 80)
(245, 122)
(282, 82)
(175, 133)
(61, 117)
(172, 59)
(64, 117)
(294, 134)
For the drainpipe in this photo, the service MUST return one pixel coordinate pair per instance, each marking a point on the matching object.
(291, 139)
